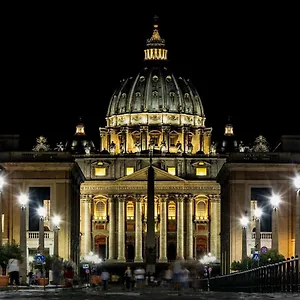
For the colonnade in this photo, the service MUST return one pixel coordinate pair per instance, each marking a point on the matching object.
(200, 137)
(185, 226)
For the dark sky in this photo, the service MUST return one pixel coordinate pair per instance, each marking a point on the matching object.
(59, 63)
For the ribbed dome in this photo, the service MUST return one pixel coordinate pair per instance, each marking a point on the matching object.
(155, 90)
(155, 95)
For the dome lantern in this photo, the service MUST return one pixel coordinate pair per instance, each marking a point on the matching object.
(155, 45)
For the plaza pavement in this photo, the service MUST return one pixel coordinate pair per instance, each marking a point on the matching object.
(118, 293)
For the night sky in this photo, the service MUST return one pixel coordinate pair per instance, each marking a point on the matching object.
(59, 63)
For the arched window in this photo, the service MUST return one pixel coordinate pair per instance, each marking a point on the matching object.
(130, 210)
(171, 210)
(100, 210)
(201, 210)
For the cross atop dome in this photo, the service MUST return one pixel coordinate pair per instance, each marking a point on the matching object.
(155, 45)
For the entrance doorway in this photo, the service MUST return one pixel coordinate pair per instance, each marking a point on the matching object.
(201, 246)
(130, 252)
(100, 246)
(171, 251)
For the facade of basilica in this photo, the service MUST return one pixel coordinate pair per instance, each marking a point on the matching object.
(202, 188)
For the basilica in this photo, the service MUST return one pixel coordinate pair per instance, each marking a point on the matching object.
(201, 187)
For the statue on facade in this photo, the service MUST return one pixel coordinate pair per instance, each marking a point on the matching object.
(189, 148)
(163, 147)
(260, 144)
(241, 147)
(87, 149)
(138, 147)
(122, 148)
(151, 146)
(213, 149)
(59, 147)
(179, 147)
(41, 144)
(112, 148)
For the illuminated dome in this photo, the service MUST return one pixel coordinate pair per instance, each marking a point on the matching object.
(155, 111)
(155, 95)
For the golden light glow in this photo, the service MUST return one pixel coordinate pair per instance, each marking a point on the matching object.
(130, 210)
(201, 171)
(172, 210)
(172, 170)
(100, 171)
(80, 129)
(100, 210)
(228, 130)
(129, 170)
(201, 210)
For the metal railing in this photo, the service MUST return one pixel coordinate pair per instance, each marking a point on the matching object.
(279, 277)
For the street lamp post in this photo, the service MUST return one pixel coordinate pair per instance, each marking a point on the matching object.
(56, 223)
(2, 182)
(275, 200)
(257, 215)
(244, 223)
(297, 232)
(41, 213)
(23, 200)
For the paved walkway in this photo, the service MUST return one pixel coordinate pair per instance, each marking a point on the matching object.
(117, 292)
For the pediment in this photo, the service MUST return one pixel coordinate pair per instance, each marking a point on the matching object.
(141, 175)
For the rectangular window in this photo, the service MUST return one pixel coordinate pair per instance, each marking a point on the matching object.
(129, 170)
(173, 141)
(201, 171)
(172, 170)
(100, 171)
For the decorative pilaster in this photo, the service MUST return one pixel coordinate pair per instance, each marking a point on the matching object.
(144, 137)
(124, 131)
(103, 137)
(163, 230)
(180, 217)
(87, 224)
(121, 229)
(138, 230)
(201, 133)
(109, 132)
(214, 218)
(189, 227)
(185, 138)
(165, 132)
(112, 229)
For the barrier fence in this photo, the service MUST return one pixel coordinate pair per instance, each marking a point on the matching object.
(279, 277)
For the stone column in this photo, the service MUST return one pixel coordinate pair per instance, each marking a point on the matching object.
(109, 132)
(138, 230)
(102, 135)
(214, 202)
(189, 227)
(121, 229)
(112, 229)
(180, 217)
(201, 140)
(165, 132)
(87, 230)
(163, 230)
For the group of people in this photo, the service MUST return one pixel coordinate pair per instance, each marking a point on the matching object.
(134, 279)
(177, 275)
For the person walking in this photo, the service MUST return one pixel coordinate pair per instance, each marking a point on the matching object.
(127, 277)
(14, 271)
(104, 279)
